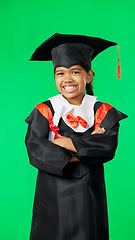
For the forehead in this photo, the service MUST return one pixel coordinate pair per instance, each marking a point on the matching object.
(70, 68)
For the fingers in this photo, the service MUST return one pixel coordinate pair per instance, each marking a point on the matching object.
(77, 160)
(98, 131)
(73, 159)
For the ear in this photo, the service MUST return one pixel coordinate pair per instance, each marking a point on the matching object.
(89, 76)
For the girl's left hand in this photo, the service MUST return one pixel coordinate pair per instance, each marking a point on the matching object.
(98, 131)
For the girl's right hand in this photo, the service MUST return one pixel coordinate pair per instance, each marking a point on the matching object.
(98, 131)
(73, 159)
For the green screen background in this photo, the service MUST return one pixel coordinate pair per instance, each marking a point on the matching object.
(24, 26)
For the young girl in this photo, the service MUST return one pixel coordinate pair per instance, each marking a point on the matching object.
(69, 137)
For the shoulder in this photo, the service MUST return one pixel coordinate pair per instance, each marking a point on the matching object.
(101, 105)
(106, 114)
(40, 117)
(106, 107)
(45, 107)
(43, 110)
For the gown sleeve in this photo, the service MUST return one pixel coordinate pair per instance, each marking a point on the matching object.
(97, 148)
(100, 148)
(43, 154)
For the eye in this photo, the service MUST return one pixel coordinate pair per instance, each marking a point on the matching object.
(75, 72)
(60, 74)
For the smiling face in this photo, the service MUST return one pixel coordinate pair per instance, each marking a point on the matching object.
(71, 82)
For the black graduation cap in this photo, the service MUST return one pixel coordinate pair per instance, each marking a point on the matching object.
(67, 50)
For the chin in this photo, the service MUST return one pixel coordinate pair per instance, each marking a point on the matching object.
(70, 95)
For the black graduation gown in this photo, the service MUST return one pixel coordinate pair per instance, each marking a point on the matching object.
(70, 198)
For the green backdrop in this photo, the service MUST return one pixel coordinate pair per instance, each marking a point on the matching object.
(24, 26)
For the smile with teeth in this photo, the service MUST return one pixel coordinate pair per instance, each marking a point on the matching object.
(69, 88)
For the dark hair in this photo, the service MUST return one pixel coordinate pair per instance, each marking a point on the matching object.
(89, 86)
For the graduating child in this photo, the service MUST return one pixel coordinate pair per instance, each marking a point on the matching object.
(69, 138)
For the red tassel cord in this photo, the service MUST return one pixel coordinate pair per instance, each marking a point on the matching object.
(118, 70)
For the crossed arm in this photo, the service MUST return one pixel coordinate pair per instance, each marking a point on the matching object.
(68, 144)
(53, 156)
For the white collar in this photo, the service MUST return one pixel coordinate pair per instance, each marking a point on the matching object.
(61, 106)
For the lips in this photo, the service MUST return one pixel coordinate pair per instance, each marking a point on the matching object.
(69, 88)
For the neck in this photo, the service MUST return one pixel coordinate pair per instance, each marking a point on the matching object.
(75, 101)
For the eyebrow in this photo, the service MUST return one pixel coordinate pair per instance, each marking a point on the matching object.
(71, 69)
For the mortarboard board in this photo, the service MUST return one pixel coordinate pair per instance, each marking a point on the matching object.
(67, 50)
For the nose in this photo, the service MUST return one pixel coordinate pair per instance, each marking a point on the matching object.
(68, 78)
